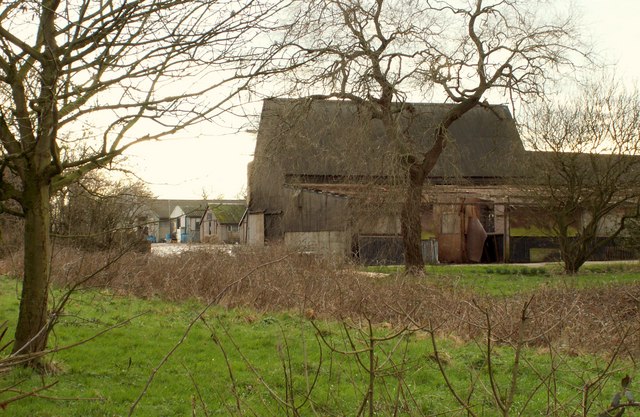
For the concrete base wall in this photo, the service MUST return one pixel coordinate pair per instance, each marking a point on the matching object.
(324, 242)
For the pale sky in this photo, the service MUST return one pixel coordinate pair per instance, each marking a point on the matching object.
(189, 166)
(213, 160)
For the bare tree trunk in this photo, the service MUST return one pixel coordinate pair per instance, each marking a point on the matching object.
(572, 266)
(31, 334)
(572, 263)
(62, 65)
(417, 173)
(411, 224)
(573, 256)
(42, 162)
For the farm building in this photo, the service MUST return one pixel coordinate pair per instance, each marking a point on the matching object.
(325, 177)
(185, 221)
(220, 221)
(158, 217)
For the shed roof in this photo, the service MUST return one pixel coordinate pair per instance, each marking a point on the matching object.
(195, 208)
(164, 207)
(320, 138)
(228, 213)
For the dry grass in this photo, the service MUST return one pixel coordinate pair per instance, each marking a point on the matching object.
(580, 320)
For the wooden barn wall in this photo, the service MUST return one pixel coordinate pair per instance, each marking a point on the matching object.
(309, 211)
(254, 225)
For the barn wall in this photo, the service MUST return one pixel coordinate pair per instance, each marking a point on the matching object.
(389, 250)
(255, 229)
(379, 224)
(380, 250)
(309, 211)
(609, 223)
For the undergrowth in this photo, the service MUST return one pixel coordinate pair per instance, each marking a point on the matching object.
(233, 361)
(282, 320)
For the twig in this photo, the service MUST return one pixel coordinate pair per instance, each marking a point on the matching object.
(51, 398)
(5, 403)
(282, 403)
(234, 385)
(197, 388)
(215, 300)
(443, 372)
(13, 360)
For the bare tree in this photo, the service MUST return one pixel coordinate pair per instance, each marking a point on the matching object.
(378, 53)
(586, 167)
(98, 212)
(101, 77)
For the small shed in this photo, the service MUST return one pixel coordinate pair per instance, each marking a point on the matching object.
(185, 222)
(220, 222)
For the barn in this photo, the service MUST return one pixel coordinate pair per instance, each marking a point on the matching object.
(326, 178)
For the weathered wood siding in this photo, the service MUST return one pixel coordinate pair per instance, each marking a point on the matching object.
(309, 211)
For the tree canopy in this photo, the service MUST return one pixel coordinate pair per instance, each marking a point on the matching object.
(82, 81)
(382, 53)
(585, 168)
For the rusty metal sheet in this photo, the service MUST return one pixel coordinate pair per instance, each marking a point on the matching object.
(476, 235)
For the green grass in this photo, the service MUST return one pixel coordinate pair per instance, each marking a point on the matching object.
(497, 279)
(105, 376)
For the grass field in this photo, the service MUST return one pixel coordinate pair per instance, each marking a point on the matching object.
(500, 279)
(273, 357)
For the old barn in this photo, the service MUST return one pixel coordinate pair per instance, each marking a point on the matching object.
(325, 177)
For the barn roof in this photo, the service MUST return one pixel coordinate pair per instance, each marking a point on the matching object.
(324, 138)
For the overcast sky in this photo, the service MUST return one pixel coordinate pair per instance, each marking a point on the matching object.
(213, 160)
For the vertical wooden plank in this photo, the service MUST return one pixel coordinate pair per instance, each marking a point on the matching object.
(507, 232)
